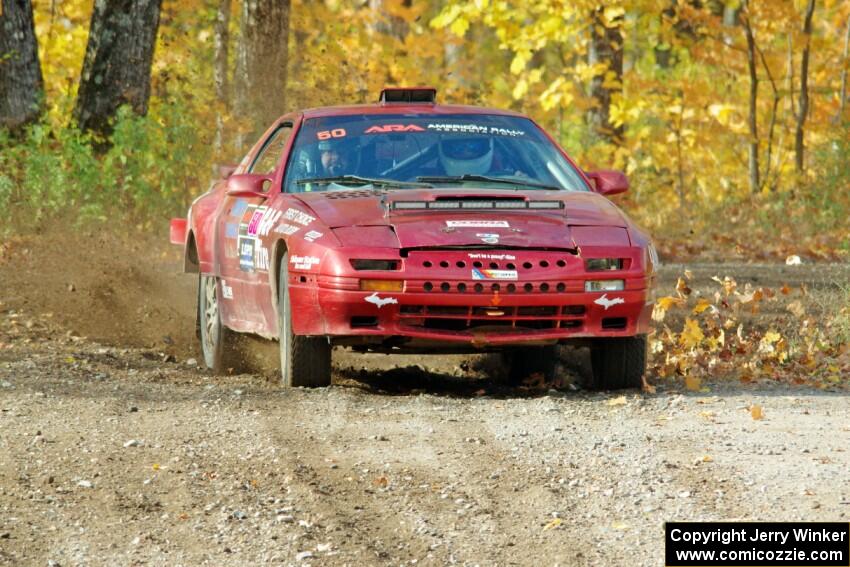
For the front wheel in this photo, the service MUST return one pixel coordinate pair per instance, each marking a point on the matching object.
(304, 361)
(618, 362)
(216, 340)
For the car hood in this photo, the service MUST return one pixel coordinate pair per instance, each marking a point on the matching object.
(544, 228)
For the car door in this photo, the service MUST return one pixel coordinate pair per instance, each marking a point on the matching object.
(244, 260)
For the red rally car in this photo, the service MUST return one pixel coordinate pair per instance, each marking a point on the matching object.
(408, 226)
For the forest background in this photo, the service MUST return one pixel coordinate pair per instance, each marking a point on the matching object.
(730, 118)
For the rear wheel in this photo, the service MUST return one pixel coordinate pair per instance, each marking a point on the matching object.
(216, 340)
(618, 362)
(525, 362)
(304, 361)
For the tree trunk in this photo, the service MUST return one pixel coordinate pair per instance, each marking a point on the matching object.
(772, 127)
(753, 154)
(606, 46)
(117, 65)
(803, 107)
(220, 74)
(790, 76)
(843, 94)
(262, 58)
(21, 82)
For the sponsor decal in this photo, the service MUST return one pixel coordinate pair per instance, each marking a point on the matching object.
(380, 301)
(247, 216)
(231, 230)
(478, 256)
(267, 222)
(328, 134)
(387, 128)
(303, 262)
(261, 259)
(239, 208)
(256, 218)
(475, 129)
(287, 229)
(312, 236)
(246, 253)
(606, 303)
(479, 274)
(226, 290)
(477, 224)
(488, 237)
(298, 217)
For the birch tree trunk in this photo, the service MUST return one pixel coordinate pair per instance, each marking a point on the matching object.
(21, 83)
(117, 65)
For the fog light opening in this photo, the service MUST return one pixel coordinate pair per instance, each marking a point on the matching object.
(381, 285)
(604, 285)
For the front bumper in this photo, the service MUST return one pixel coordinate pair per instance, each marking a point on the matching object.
(495, 319)
(480, 319)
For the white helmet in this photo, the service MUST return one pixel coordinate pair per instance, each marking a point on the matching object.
(466, 155)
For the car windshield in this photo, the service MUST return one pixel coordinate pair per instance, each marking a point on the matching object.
(434, 150)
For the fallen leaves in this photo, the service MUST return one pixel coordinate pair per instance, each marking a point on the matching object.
(796, 309)
(693, 383)
(618, 401)
(756, 412)
(722, 333)
(552, 524)
(691, 335)
(381, 482)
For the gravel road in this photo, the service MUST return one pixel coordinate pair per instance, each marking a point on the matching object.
(124, 455)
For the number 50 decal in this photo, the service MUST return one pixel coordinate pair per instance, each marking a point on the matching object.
(328, 134)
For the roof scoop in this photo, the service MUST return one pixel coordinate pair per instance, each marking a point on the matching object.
(408, 95)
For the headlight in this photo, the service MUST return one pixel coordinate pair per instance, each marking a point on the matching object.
(603, 264)
(604, 285)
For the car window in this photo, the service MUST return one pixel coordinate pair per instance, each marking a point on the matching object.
(336, 152)
(268, 158)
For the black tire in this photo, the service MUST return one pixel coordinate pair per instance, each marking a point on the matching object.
(217, 341)
(618, 362)
(525, 361)
(304, 361)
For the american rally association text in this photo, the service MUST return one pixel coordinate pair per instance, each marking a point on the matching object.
(726, 536)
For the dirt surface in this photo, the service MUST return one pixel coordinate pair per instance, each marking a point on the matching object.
(115, 448)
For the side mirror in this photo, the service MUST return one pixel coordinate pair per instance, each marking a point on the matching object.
(225, 171)
(249, 185)
(609, 182)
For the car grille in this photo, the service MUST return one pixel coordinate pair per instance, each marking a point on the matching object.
(512, 318)
(537, 271)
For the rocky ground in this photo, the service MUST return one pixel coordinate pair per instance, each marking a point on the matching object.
(125, 452)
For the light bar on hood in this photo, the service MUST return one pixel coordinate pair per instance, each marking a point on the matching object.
(477, 204)
(401, 205)
(545, 204)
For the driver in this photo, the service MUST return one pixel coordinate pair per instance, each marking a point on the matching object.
(466, 155)
(335, 158)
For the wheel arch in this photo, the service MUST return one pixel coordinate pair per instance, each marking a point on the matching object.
(278, 252)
